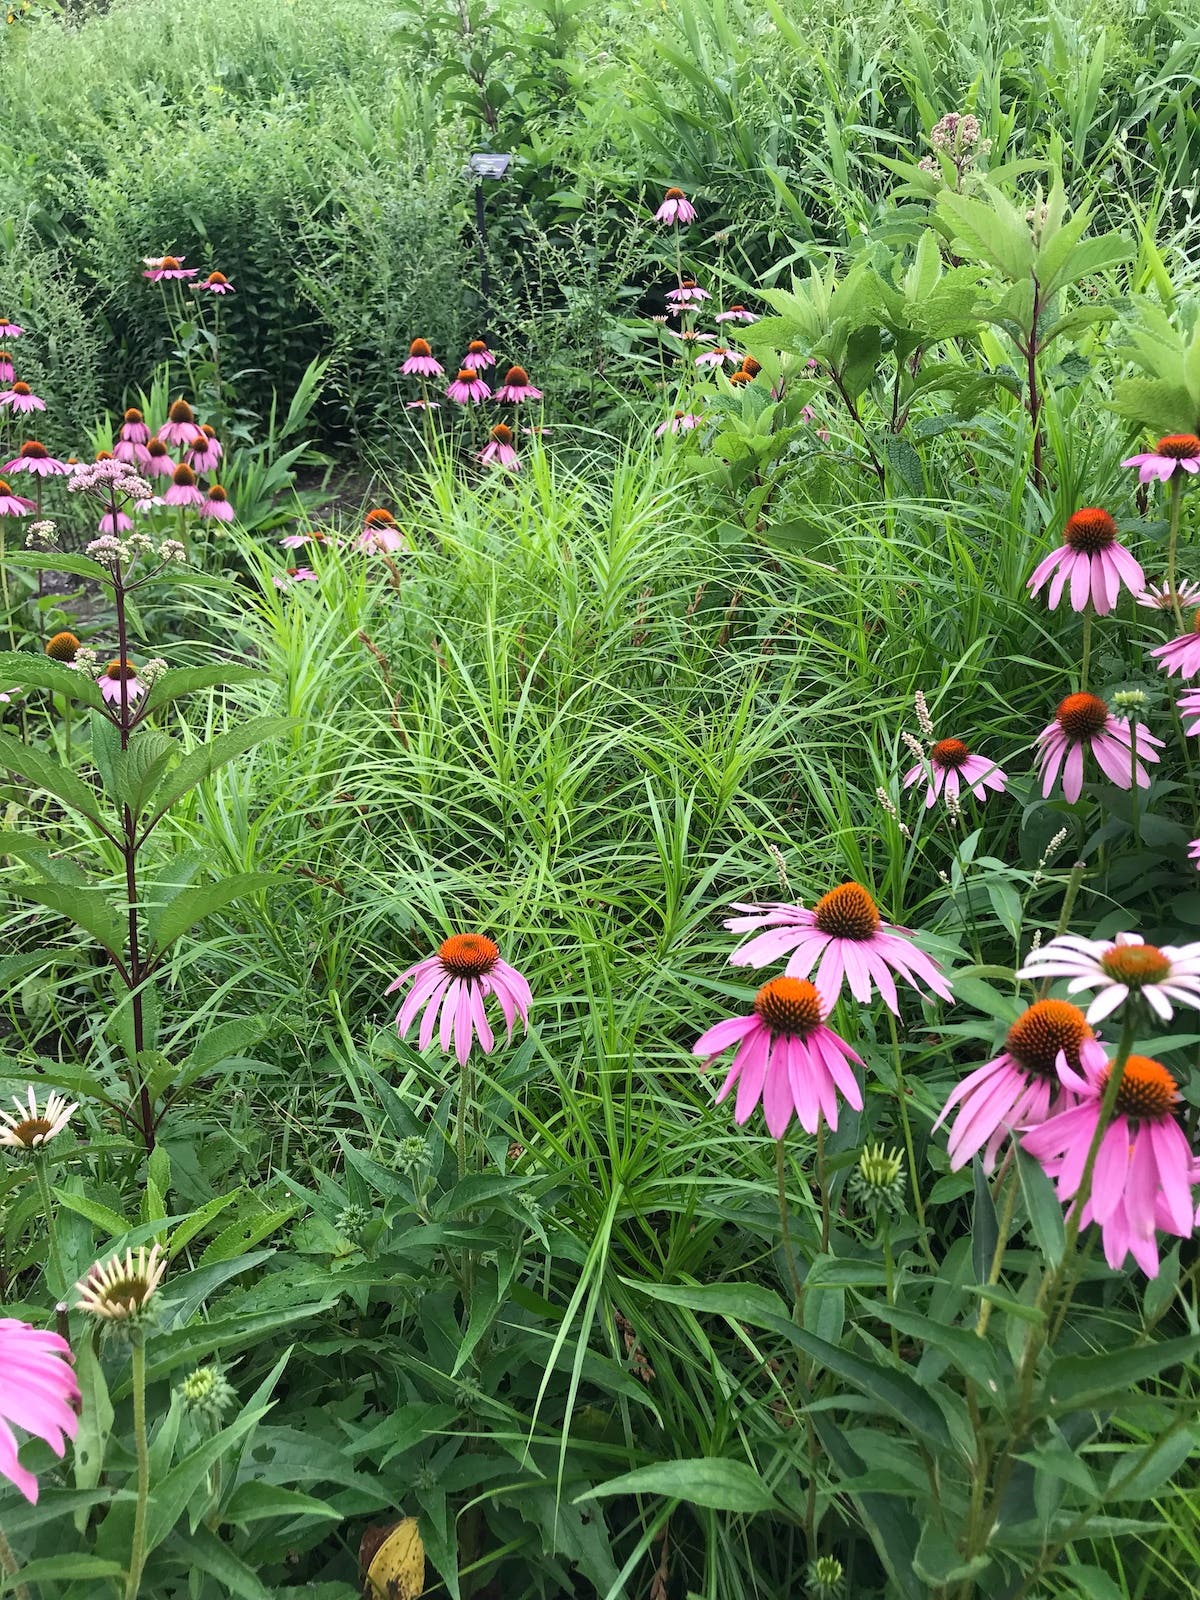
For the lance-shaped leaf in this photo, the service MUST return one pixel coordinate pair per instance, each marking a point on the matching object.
(60, 561)
(135, 772)
(43, 772)
(40, 672)
(202, 762)
(190, 906)
(88, 909)
(186, 680)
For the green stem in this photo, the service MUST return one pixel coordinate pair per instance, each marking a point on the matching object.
(823, 1183)
(993, 1277)
(1176, 506)
(1087, 652)
(10, 1565)
(43, 1183)
(785, 1230)
(1134, 797)
(889, 1269)
(909, 1149)
(137, 1550)
(8, 616)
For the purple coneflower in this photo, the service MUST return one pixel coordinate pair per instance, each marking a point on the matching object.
(688, 294)
(735, 314)
(517, 387)
(845, 934)
(34, 457)
(1020, 1087)
(952, 767)
(786, 1058)
(479, 356)
(133, 428)
(1180, 655)
(1084, 723)
(718, 356)
(1145, 1172)
(681, 422)
(1159, 598)
(454, 984)
(284, 580)
(116, 673)
(676, 209)
(498, 451)
(1194, 853)
(1176, 452)
(180, 426)
(119, 523)
(6, 366)
(381, 533)
(468, 389)
(184, 490)
(216, 507)
(38, 1393)
(297, 541)
(203, 455)
(1189, 706)
(1119, 967)
(160, 267)
(420, 363)
(1092, 560)
(133, 454)
(21, 398)
(14, 505)
(158, 463)
(216, 283)
(10, 330)
(422, 405)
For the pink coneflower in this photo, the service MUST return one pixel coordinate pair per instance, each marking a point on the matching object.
(1189, 706)
(146, 506)
(846, 935)
(297, 541)
(689, 293)
(735, 314)
(216, 283)
(1092, 560)
(180, 426)
(676, 210)
(34, 457)
(1194, 853)
(498, 451)
(681, 422)
(114, 524)
(479, 356)
(184, 490)
(6, 366)
(21, 398)
(1118, 968)
(952, 767)
(1084, 723)
(38, 1393)
(1144, 1172)
(420, 363)
(517, 387)
(216, 507)
(160, 267)
(468, 389)
(284, 580)
(158, 463)
(133, 454)
(691, 338)
(111, 679)
(14, 505)
(718, 356)
(454, 984)
(204, 455)
(381, 533)
(786, 1057)
(422, 405)
(1020, 1087)
(10, 330)
(133, 427)
(1180, 655)
(1159, 598)
(1176, 452)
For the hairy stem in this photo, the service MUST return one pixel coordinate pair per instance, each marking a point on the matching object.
(137, 1549)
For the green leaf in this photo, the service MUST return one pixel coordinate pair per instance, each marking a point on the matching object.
(186, 680)
(202, 762)
(973, 1356)
(103, 1217)
(87, 908)
(40, 672)
(60, 561)
(904, 463)
(938, 1562)
(95, 1421)
(1044, 1207)
(43, 772)
(904, 1397)
(61, 1569)
(204, 1550)
(1087, 1380)
(708, 1481)
(993, 229)
(253, 1500)
(172, 1493)
(135, 772)
(985, 1230)
(242, 1236)
(190, 906)
(199, 1220)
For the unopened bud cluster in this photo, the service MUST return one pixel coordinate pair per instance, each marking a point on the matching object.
(42, 536)
(207, 1394)
(877, 1184)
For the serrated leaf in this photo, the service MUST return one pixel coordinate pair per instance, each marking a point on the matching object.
(135, 771)
(89, 909)
(187, 680)
(190, 906)
(243, 1235)
(43, 772)
(209, 758)
(60, 561)
(712, 1482)
(103, 1217)
(199, 1220)
(41, 672)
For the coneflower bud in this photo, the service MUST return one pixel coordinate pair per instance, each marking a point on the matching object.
(877, 1184)
(207, 1394)
(824, 1579)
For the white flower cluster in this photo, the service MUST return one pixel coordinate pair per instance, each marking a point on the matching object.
(86, 661)
(151, 672)
(42, 536)
(109, 478)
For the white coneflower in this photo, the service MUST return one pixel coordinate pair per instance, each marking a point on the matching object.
(31, 1128)
(117, 1291)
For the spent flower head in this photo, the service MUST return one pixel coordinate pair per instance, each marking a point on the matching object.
(34, 1127)
(121, 1293)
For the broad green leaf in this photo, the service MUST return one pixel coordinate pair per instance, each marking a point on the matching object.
(1158, 406)
(103, 1217)
(973, 1356)
(1088, 1380)
(206, 759)
(172, 1493)
(199, 1220)
(898, 1393)
(190, 906)
(40, 672)
(186, 680)
(993, 229)
(938, 1562)
(95, 1421)
(22, 844)
(89, 909)
(243, 1235)
(135, 772)
(60, 561)
(709, 1481)
(206, 1552)
(891, 1527)
(252, 1500)
(43, 772)
(68, 1568)
(1044, 1207)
